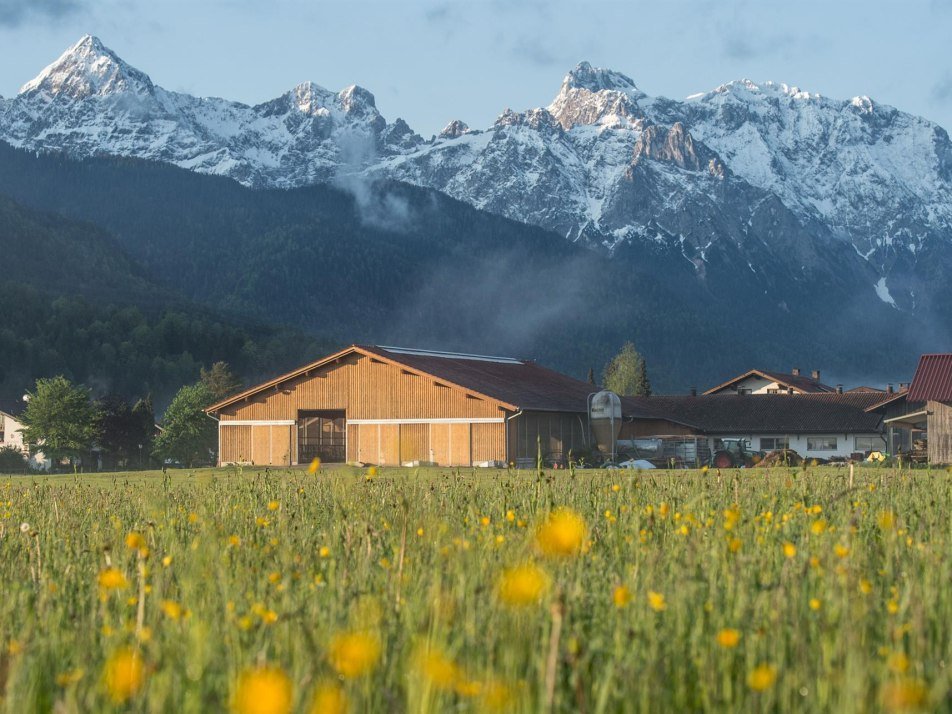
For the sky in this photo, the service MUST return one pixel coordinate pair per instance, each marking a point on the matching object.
(433, 61)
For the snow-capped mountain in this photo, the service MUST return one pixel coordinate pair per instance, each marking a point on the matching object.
(763, 176)
(90, 102)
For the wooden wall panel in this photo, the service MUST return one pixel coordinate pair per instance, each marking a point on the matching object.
(460, 447)
(439, 449)
(367, 443)
(488, 443)
(940, 432)
(414, 442)
(365, 389)
(389, 445)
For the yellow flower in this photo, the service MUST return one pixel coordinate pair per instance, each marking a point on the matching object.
(171, 609)
(135, 541)
(728, 637)
(815, 604)
(329, 698)
(112, 579)
(523, 585)
(905, 695)
(762, 677)
(621, 596)
(656, 601)
(124, 674)
(898, 662)
(437, 669)
(264, 690)
(64, 679)
(789, 549)
(353, 654)
(315, 465)
(562, 534)
(886, 520)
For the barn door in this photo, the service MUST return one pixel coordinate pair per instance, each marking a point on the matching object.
(322, 434)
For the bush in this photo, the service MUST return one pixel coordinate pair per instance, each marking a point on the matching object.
(12, 461)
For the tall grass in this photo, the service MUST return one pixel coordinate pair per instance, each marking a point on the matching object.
(841, 598)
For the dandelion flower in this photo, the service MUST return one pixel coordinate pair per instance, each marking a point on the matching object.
(905, 695)
(562, 534)
(353, 654)
(124, 674)
(329, 698)
(762, 677)
(437, 669)
(112, 579)
(72, 676)
(656, 601)
(621, 596)
(264, 690)
(728, 638)
(171, 609)
(523, 585)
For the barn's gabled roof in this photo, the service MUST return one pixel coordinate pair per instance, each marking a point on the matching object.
(514, 383)
(763, 413)
(933, 379)
(796, 382)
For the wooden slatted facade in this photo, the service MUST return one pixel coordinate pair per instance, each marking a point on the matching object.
(388, 413)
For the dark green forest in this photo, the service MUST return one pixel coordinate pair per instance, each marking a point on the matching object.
(132, 274)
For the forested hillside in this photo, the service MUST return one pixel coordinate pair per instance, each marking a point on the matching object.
(396, 264)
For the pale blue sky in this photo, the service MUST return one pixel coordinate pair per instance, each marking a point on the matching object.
(431, 61)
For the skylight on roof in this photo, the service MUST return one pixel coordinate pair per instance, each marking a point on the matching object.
(450, 355)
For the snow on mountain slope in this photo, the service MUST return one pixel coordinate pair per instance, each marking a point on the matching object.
(90, 102)
(786, 178)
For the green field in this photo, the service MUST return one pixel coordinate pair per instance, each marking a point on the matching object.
(436, 590)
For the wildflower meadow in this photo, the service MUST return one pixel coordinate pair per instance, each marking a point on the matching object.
(343, 589)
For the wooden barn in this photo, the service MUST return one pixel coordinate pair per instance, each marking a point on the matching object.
(396, 406)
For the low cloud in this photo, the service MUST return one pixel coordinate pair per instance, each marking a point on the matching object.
(14, 13)
(942, 90)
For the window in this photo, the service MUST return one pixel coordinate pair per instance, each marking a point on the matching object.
(774, 443)
(821, 443)
(869, 443)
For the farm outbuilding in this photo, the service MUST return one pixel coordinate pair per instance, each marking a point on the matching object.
(398, 406)
(932, 387)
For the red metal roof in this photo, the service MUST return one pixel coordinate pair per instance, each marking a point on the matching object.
(933, 380)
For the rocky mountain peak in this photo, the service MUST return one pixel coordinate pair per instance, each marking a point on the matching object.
(590, 95)
(454, 130)
(596, 79)
(88, 69)
(357, 100)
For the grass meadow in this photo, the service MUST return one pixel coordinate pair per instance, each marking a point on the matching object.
(437, 590)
